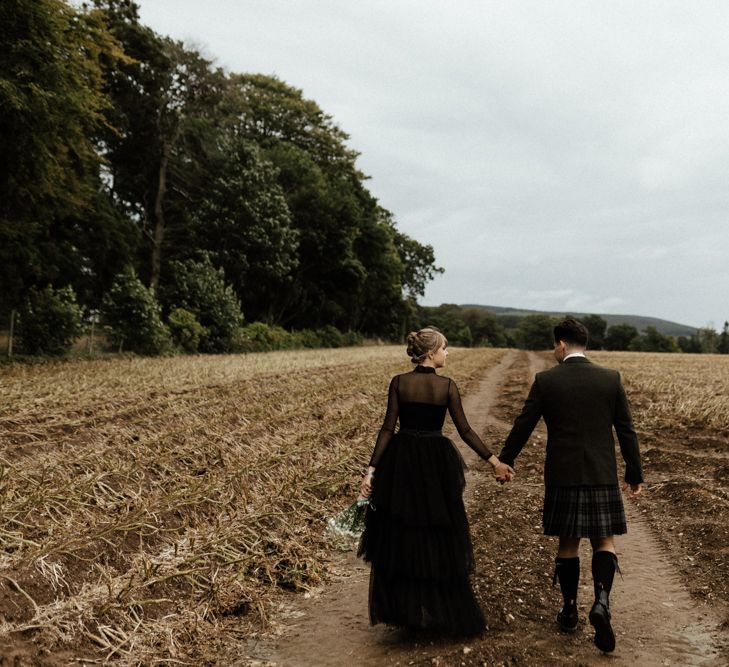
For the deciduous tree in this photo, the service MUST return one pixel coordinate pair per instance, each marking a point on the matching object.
(620, 336)
(52, 63)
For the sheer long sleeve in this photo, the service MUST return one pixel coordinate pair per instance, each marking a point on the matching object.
(388, 425)
(468, 435)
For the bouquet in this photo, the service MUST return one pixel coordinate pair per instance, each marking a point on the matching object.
(350, 522)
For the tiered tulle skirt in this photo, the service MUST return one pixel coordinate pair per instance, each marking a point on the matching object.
(417, 539)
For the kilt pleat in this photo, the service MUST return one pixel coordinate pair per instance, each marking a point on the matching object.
(583, 511)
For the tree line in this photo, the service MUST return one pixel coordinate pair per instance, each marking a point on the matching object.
(140, 183)
(472, 327)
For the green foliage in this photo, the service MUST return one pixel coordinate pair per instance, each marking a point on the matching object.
(353, 269)
(165, 102)
(324, 194)
(329, 211)
(50, 320)
(620, 336)
(330, 336)
(509, 321)
(651, 340)
(244, 222)
(689, 344)
(706, 341)
(122, 147)
(596, 327)
(418, 263)
(91, 250)
(270, 111)
(262, 337)
(377, 301)
(723, 344)
(465, 326)
(535, 332)
(186, 331)
(485, 327)
(352, 339)
(133, 315)
(308, 338)
(52, 60)
(447, 317)
(197, 286)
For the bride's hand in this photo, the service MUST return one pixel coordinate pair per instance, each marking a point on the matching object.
(365, 488)
(503, 472)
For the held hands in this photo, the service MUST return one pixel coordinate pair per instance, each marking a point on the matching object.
(635, 489)
(502, 472)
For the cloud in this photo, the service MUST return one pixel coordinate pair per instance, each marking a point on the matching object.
(534, 145)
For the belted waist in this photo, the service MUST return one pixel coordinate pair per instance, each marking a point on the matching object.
(421, 433)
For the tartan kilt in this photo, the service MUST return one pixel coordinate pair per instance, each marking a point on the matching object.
(583, 511)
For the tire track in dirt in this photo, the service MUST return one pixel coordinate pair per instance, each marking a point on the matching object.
(655, 619)
(331, 627)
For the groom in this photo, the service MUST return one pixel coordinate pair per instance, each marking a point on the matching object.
(581, 403)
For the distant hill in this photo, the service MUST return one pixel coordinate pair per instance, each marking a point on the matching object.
(640, 322)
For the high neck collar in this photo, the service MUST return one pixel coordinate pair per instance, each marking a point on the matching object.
(424, 369)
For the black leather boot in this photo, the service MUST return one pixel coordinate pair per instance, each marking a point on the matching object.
(567, 571)
(604, 564)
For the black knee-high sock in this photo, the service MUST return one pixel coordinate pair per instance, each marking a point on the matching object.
(604, 564)
(567, 570)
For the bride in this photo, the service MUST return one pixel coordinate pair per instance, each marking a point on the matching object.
(416, 536)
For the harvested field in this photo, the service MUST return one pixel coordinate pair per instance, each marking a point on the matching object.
(153, 508)
(656, 620)
(171, 511)
(675, 391)
(681, 411)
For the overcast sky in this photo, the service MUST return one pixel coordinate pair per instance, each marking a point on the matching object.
(569, 156)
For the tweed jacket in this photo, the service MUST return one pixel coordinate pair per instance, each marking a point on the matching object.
(580, 402)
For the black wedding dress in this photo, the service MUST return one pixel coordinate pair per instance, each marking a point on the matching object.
(416, 537)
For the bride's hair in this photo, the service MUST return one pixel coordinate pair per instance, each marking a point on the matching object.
(421, 342)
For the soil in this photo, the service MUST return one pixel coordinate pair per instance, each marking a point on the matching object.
(668, 609)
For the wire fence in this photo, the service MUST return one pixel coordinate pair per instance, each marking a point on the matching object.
(92, 340)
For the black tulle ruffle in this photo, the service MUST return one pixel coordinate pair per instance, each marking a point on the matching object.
(417, 539)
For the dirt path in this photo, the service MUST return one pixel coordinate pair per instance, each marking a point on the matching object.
(656, 621)
(653, 608)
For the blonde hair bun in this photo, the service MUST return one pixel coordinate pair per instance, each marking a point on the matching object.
(428, 339)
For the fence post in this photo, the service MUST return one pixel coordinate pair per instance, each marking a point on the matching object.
(12, 331)
(93, 316)
(91, 339)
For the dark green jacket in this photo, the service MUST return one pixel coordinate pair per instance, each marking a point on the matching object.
(581, 402)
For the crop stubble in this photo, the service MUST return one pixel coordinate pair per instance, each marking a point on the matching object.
(150, 506)
(681, 411)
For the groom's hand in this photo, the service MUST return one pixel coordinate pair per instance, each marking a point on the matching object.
(635, 489)
(503, 472)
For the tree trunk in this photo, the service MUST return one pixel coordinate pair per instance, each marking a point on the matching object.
(12, 333)
(159, 218)
(91, 336)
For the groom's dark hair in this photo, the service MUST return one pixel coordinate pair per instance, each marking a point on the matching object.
(571, 332)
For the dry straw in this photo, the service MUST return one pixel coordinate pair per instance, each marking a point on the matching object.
(674, 390)
(150, 504)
